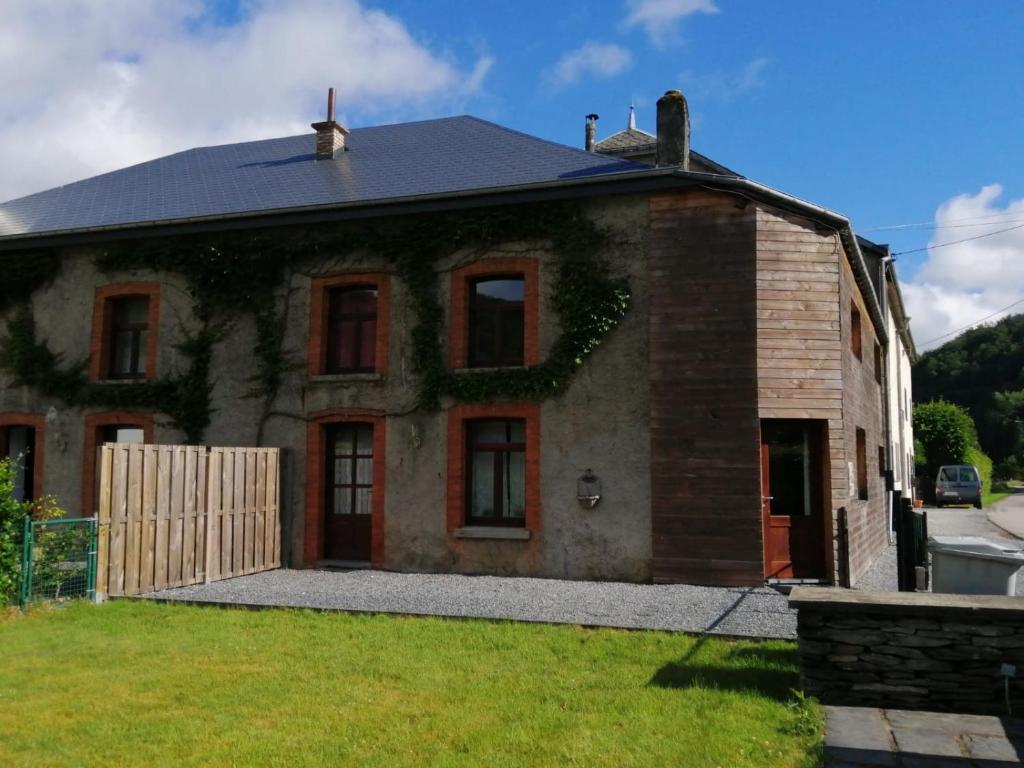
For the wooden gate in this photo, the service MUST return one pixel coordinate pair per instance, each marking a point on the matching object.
(175, 515)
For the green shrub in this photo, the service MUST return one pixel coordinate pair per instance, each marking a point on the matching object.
(12, 515)
(979, 459)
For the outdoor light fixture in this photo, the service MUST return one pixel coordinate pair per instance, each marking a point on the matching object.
(588, 490)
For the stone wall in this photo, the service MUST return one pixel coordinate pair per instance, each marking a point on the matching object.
(910, 650)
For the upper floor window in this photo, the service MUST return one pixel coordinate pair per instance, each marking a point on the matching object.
(129, 331)
(855, 332)
(496, 321)
(878, 363)
(352, 329)
(124, 331)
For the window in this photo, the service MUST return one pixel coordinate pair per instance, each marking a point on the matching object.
(124, 331)
(351, 471)
(352, 329)
(493, 488)
(348, 324)
(878, 363)
(855, 332)
(123, 433)
(496, 321)
(496, 476)
(21, 441)
(109, 427)
(862, 465)
(494, 312)
(129, 328)
(881, 461)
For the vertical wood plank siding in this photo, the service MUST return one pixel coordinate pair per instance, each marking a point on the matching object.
(806, 367)
(705, 475)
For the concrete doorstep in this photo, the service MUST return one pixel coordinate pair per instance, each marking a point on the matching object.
(865, 737)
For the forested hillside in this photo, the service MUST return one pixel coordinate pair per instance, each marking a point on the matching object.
(983, 370)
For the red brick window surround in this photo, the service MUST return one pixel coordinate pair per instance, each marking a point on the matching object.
(523, 420)
(9, 423)
(464, 283)
(316, 481)
(97, 428)
(348, 331)
(125, 315)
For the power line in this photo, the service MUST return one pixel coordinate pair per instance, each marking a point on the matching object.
(994, 218)
(976, 322)
(956, 242)
(940, 226)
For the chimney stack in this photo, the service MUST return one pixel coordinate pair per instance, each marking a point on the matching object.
(673, 131)
(330, 134)
(590, 133)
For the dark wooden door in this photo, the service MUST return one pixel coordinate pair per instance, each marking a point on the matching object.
(792, 499)
(349, 497)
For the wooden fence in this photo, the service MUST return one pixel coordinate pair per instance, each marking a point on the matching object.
(174, 515)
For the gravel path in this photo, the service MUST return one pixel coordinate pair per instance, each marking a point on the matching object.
(882, 575)
(753, 612)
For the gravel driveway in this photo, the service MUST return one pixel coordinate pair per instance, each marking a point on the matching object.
(753, 612)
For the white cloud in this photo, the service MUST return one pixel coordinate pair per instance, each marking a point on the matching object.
(92, 86)
(660, 17)
(726, 86)
(957, 285)
(590, 59)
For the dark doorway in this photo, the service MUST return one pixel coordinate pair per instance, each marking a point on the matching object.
(349, 498)
(18, 444)
(793, 503)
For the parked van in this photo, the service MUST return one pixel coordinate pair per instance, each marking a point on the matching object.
(958, 484)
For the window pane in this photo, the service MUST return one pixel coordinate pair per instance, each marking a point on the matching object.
(489, 432)
(364, 439)
(512, 337)
(121, 354)
(482, 489)
(484, 339)
(947, 475)
(967, 475)
(364, 501)
(131, 311)
(517, 431)
(353, 301)
(123, 434)
(499, 292)
(514, 492)
(20, 441)
(364, 471)
(367, 345)
(343, 501)
(343, 471)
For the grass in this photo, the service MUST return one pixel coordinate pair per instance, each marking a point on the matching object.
(139, 683)
(998, 491)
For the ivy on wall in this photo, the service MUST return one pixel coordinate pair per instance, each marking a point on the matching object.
(228, 276)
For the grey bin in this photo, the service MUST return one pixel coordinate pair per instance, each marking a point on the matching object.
(970, 565)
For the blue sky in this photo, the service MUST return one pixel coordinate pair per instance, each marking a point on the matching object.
(890, 112)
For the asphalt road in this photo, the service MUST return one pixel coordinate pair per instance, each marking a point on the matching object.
(1008, 514)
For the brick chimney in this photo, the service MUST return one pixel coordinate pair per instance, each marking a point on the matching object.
(330, 134)
(590, 133)
(673, 131)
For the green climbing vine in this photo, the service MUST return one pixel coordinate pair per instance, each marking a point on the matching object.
(233, 275)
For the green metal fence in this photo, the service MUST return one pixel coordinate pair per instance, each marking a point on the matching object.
(58, 560)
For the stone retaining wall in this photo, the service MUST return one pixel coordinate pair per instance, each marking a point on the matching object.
(910, 650)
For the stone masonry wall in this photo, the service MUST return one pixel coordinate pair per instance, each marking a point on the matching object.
(910, 650)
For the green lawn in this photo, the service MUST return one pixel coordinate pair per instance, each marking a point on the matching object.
(136, 683)
(997, 492)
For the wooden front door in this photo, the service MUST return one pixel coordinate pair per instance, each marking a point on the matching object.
(349, 497)
(792, 499)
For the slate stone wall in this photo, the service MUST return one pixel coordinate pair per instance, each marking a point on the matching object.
(941, 653)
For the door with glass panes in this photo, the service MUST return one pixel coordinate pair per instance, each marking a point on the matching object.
(349, 497)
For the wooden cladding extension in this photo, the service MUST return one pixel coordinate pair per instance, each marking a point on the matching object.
(705, 476)
(175, 515)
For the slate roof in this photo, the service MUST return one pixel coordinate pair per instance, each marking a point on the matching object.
(406, 160)
(629, 139)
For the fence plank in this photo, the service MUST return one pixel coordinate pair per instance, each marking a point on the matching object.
(188, 543)
(202, 465)
(274, 494)
(133, 521)
(238, 502)
(259, 561)
(106, 465)
(177, 511)
(119, 503)
(148, 522)
(227, 501)
(163, 513)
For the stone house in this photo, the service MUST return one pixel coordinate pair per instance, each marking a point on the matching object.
(481, 351)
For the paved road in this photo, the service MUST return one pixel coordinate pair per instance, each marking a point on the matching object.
(1008, 514)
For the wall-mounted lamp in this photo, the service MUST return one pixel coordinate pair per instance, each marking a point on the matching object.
(588, 490)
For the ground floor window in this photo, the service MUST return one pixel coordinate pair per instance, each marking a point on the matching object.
(496, 480)
(18, 443)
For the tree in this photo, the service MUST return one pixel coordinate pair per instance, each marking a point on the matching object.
(945, 434)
